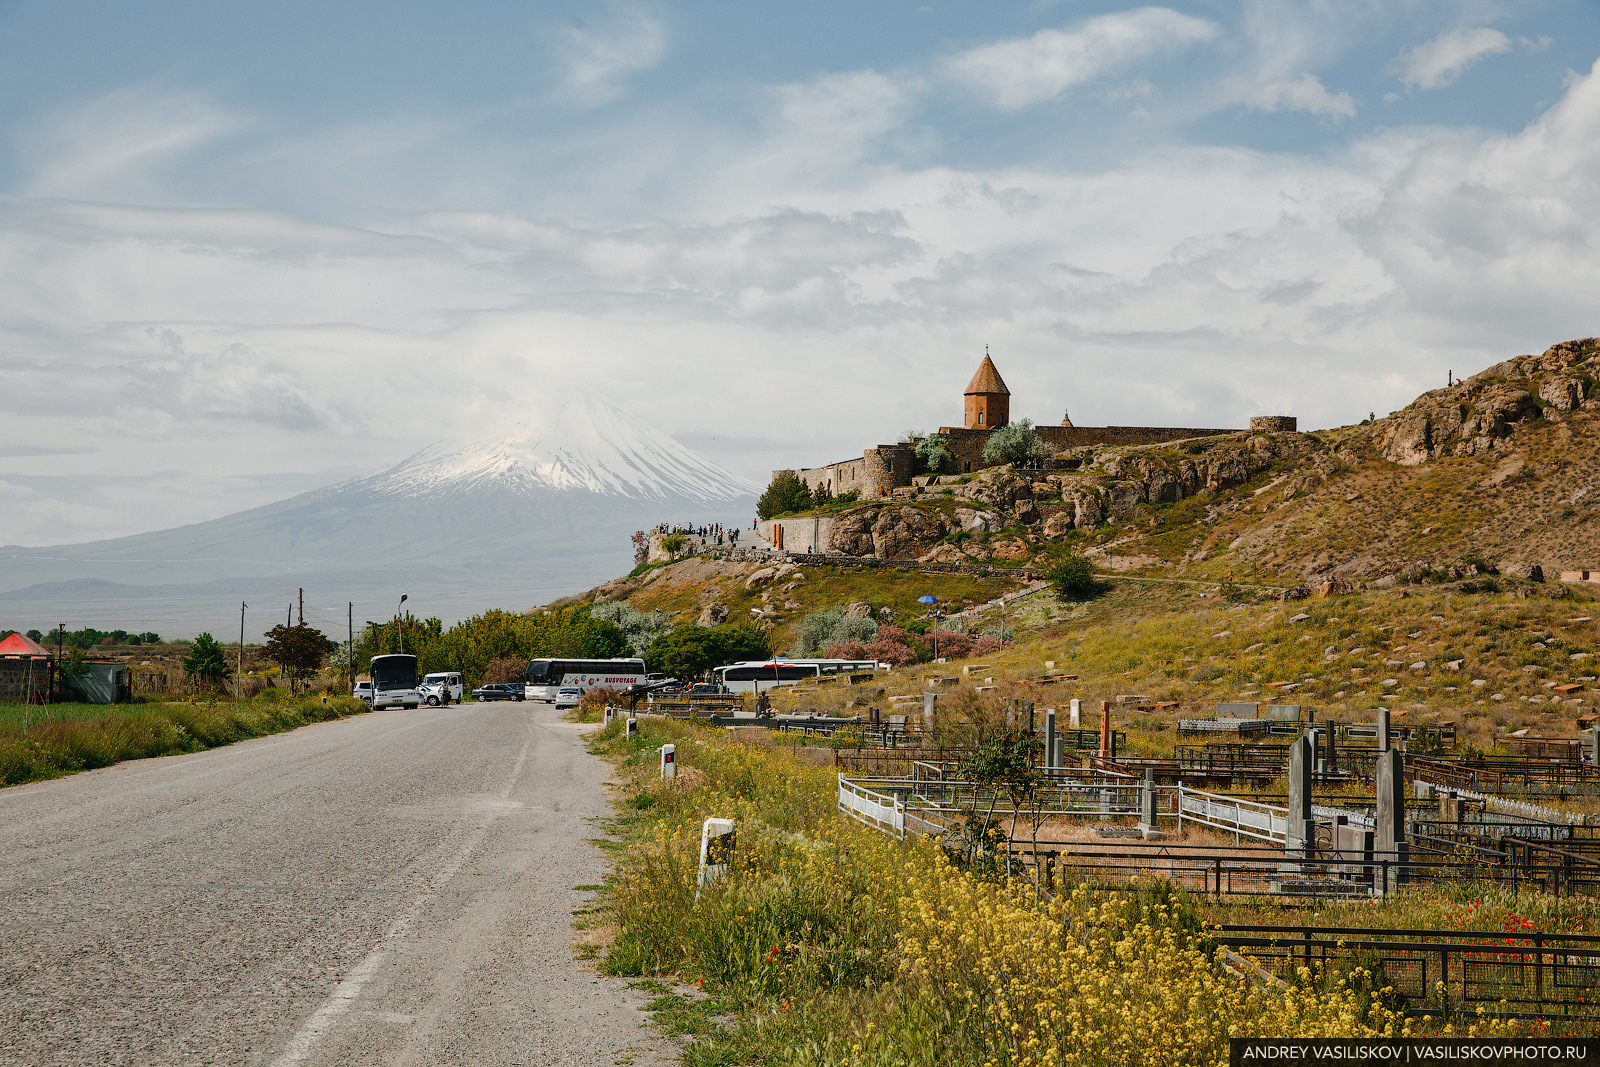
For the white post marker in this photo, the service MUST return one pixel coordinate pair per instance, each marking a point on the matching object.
(716, 850)
(632, 729)
(669, 761)
(608, 715)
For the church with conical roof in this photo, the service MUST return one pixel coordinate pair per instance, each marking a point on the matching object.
(892, 470)
(988, 401)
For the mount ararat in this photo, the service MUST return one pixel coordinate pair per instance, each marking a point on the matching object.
(494, 523)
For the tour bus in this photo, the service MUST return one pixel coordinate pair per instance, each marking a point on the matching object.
(394, 682)
(752, 675)
(545, 676)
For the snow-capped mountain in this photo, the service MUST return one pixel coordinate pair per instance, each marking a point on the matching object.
(504, 523)
(593, 447)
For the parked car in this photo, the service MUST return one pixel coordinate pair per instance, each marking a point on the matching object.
(444, 686)
(707, 689)
(568, 696)
(363, 691)
(499, 691)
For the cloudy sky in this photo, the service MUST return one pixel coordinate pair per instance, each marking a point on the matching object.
(247, 250)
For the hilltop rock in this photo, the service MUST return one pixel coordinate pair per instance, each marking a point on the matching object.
(1477, 415)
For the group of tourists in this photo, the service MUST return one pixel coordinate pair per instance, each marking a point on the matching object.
(711, 534)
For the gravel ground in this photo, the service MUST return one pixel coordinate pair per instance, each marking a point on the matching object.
(394, 888)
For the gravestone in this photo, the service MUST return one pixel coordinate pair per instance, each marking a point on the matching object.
(1383, 730)
(1075, 714)
(1299, 833)
(1052, 746)
(1389, 831)
(927, 711)
(1106, 749)
(1147, 807)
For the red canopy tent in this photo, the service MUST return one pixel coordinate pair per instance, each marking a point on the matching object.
(26, 670)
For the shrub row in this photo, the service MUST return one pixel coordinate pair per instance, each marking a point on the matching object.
(57, 748)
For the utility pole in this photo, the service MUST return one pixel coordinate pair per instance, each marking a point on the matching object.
(238, 674)
(302, 607)
(288, 617)
(350, 630)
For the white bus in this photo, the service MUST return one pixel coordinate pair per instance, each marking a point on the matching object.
(545, 676)
(754, 674)
(394, 682)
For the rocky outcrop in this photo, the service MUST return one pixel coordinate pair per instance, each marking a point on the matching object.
(889, 531)
(905, 533)
(1461, 421)
(1480, 414)
(713, 614)
(944, 554)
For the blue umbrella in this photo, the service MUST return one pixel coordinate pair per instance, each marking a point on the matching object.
(927, 600)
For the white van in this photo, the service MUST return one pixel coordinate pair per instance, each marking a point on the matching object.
(442, 688)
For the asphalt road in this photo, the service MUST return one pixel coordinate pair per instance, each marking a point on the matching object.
(395, 888)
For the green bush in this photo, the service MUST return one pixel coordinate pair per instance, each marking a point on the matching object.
(1074, 578)
(786, 495)
(1017, 443)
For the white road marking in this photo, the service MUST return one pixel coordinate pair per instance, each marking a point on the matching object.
(344, 994)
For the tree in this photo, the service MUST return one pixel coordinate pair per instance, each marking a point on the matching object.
(35, 635)
(689, 651)
(935, 454)
(1003, 763)
(299, 650)
(207, 661)
(1017, 443)
(1074, 578)
(786, 495)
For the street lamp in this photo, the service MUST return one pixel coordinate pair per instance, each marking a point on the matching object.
(401, 630)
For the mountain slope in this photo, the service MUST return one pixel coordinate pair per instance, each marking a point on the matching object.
(494, 522)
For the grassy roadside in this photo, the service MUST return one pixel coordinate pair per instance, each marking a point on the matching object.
(64, 745)
(831, 944)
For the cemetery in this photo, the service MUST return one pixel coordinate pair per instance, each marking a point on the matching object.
(1361, 818)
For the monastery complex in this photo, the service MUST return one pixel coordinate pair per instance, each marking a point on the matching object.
(986, 408)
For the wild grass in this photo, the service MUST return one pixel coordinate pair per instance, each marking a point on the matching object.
(828, 943)
(25, 716)
(62, 746)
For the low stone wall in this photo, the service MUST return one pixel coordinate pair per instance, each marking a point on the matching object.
(799, 535)
(978, 569)
(819, 559)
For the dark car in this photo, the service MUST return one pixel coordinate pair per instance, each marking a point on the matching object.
(707, 689)
(499, 691)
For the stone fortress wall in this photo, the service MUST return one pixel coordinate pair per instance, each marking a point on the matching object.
(881, 470)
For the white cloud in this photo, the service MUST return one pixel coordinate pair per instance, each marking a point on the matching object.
(849, 107)
(598, 59)
(1018, 73)
(1305, 93)
(112, 146)
(1439, 62)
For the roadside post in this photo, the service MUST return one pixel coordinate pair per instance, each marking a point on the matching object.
(669, 761)
(716, 851)
(631, 731)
